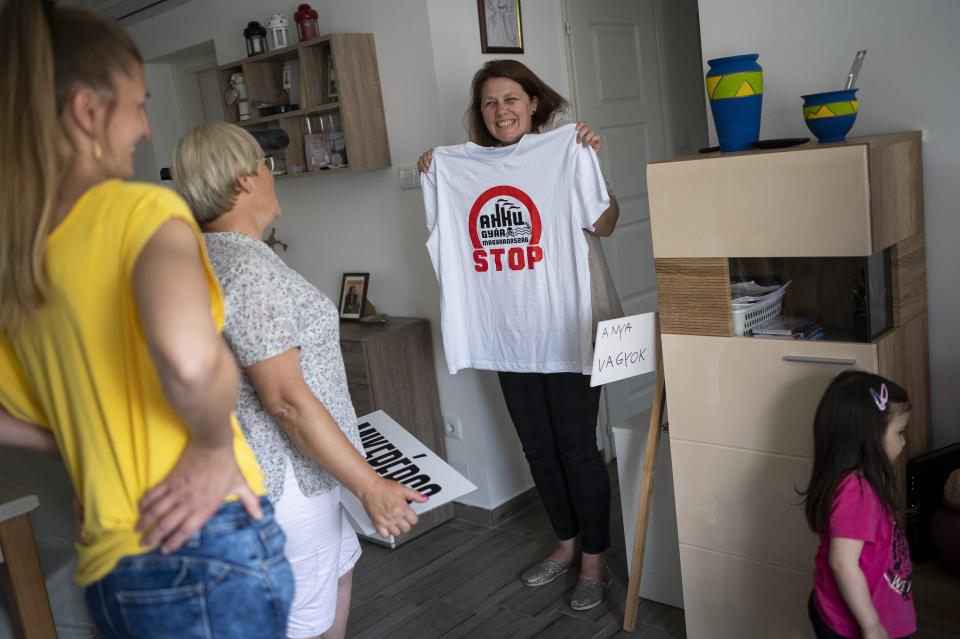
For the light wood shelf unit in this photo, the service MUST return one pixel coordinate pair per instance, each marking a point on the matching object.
(790, 208)
(816, 200)
(741, 409)
(359, 100)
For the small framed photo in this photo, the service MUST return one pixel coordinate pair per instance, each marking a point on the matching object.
(501, 29)
(353, 295)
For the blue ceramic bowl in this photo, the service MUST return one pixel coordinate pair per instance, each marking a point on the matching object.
(830, 115)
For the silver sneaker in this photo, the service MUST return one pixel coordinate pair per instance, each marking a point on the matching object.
(542, 573)
(588, 593)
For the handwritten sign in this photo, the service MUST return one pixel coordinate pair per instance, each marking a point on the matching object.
(624, 348)
(396, 454)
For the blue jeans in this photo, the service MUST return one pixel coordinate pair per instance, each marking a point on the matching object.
(230, 579)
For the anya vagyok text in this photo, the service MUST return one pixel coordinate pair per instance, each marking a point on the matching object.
(624, 359)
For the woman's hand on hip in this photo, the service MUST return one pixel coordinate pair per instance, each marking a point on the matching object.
(588, 137)
(181, 504)
(424, 162)
(387, 504)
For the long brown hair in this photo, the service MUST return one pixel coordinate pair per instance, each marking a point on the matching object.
(848, 432)
(549, 101)
(46, 54)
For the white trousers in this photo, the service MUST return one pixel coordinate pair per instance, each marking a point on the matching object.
(321, 547)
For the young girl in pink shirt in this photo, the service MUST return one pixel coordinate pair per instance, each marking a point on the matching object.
(862, 574)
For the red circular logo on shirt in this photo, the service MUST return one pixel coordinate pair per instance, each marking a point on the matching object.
(505, 230)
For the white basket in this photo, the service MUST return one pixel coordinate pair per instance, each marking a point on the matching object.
(745, 319)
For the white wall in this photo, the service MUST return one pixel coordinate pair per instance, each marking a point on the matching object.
(456, 49)
(166, 123)
(908, 82)
(683, 98)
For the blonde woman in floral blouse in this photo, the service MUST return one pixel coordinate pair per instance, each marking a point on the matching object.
(293, 406)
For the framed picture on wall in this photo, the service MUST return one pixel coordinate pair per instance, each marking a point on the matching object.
(353, 295)
(501, 29)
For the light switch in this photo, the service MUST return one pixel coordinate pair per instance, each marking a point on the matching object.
(409, 176)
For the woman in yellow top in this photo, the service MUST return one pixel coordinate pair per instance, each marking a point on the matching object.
(109, 344)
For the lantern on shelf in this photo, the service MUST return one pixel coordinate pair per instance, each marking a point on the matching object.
(277, 32)
(256, 37)
(306, 19)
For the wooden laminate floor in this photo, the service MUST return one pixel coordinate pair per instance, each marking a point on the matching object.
(936, 593)
(460, 581)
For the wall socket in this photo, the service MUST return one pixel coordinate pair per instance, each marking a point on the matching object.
(452, 427)
(409, 176)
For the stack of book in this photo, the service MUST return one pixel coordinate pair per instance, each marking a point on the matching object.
(790, 328)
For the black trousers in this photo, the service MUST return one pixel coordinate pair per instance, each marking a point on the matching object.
(555, 415)
(820, 627)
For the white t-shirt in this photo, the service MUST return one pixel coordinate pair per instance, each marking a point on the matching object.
(505, 237)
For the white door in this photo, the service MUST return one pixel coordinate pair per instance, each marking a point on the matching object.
(616, 86)
(210, 95)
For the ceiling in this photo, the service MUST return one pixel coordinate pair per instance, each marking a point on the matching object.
(127, 11)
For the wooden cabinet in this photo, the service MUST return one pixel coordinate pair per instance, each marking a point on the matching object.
(854, 198)
(721, 388)
(358, 102)
(390, 367)
(741, 408)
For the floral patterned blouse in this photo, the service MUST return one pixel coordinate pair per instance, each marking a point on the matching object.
(270, 309)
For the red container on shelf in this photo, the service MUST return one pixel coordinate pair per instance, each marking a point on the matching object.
(306, 19)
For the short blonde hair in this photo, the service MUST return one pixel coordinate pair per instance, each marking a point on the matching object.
(207, 162)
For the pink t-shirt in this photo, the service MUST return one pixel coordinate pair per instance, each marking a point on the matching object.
(858, 513)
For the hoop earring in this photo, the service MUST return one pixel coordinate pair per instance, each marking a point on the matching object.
(97, 151)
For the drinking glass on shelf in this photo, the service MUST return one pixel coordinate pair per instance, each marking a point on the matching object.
(315, 148)
(333, 132)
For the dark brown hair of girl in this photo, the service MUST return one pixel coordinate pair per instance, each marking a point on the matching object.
(848, 433)
(549, 101)
(46, 54)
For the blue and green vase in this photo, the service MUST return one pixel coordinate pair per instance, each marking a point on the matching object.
(735, 90)
(830, 115)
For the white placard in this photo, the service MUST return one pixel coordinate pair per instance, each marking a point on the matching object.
(624, 348)
(396, 454)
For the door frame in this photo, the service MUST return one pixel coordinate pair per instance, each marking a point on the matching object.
(605, 437)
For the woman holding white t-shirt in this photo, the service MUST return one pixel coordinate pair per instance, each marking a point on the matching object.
(555, 414)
